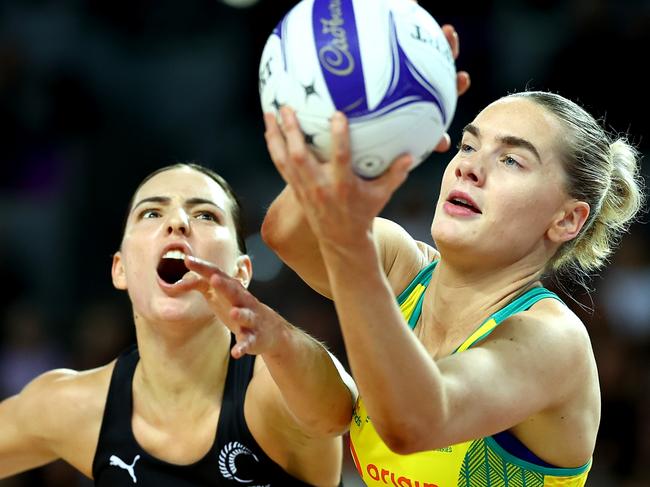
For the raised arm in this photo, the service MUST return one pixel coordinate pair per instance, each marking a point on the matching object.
(288, 233)
(302, 376)
(520, 372)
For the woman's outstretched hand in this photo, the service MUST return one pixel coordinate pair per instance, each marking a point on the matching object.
(256, 326)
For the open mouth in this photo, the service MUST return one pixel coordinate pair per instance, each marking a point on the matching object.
(464, 203)
(171, 267)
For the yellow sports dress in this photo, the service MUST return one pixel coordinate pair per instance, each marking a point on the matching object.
(493, 461)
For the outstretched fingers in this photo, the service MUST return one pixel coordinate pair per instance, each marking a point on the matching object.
(224, 285)
(192, 281)
(231, 301)
(231, 289)
(245, 332)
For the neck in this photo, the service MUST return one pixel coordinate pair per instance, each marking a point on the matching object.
(462, 300)
(182, 371)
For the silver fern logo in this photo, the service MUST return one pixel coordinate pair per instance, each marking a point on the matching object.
(227, 466)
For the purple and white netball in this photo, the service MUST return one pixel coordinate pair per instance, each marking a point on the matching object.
(386, 64)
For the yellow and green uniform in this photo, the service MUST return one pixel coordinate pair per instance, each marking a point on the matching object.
(493, 461)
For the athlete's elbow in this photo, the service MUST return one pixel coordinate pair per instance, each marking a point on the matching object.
(336, 428)
(401, 442)
(269, 230)
(339, 422)
(403, 438)
(325, 426)
(324, 421)
(274, 234)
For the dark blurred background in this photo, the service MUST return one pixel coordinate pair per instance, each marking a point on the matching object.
(94, 94)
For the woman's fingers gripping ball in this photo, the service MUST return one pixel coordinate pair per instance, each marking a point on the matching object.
(462, 79)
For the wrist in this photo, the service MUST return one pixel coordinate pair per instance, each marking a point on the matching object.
(283, 339)
(356, 253)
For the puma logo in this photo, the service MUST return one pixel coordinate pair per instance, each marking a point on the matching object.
(118, 462)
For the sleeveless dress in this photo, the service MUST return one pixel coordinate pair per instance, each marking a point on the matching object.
(234, 460)
(493, 461)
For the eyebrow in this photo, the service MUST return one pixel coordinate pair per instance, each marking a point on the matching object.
(165, 200)
(509, 140)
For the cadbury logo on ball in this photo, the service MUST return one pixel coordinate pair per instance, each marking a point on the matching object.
(335, 56)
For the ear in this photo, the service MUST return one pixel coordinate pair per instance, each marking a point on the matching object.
(244, 270)
(568, 222)
(117, 272)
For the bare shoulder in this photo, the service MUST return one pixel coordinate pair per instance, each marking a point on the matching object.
(548, 325)
(560, 324)
(69, 391)
(269, 420)
(65, 408)
(57, 415)
(548, 357)
(553, 337)
(402, 256)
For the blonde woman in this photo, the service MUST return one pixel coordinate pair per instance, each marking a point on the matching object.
(470, 372)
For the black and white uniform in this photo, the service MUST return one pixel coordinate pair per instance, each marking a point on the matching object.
(234, 460)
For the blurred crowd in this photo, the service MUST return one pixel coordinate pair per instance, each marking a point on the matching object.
(95, 94)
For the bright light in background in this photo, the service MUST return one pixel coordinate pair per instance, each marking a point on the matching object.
(240, 3)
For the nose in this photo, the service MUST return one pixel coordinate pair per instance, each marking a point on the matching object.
(178, 223)
(472, 170)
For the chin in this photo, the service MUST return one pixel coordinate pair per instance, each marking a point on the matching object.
(446, 233)
(450, 241)
(180, 311)
(174, 316)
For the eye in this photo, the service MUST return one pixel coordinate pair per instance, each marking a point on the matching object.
(464, 147)
(208, 216)
(511, 162)
(149, 213)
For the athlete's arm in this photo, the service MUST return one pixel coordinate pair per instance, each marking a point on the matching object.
(307, 447)
(56, 416)
(308, 382)
(530, 365)
(24, 427)
(287, 232)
